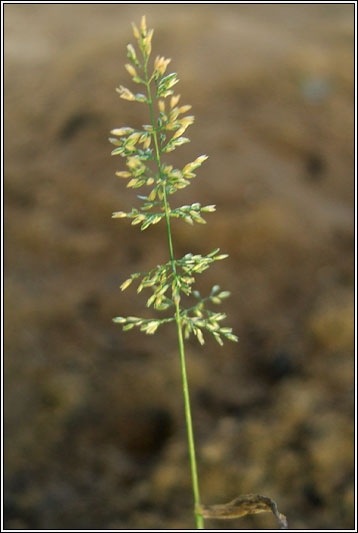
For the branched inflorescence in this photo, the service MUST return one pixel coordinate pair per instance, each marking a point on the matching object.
(143, 150)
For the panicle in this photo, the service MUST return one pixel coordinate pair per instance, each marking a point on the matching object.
(149, 143)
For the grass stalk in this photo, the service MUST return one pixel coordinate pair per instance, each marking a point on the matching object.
(174, 279)
(187, 407)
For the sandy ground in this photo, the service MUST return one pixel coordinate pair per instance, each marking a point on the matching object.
(95, 434)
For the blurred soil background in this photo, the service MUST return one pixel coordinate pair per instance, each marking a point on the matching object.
(95, 435)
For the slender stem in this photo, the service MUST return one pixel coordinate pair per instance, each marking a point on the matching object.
(194, 471)
(191, 445)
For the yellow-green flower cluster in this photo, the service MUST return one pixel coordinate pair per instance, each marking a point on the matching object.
(143, 150)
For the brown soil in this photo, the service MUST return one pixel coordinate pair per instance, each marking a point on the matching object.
(95, 435)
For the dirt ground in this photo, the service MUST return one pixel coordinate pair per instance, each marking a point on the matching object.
(94, 423)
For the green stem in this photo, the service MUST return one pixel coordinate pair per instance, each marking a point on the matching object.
(194, 471)
(189, 424)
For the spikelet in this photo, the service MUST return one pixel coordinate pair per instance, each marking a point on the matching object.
(125, 93)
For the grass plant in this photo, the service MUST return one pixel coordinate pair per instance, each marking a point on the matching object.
(145, 151)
